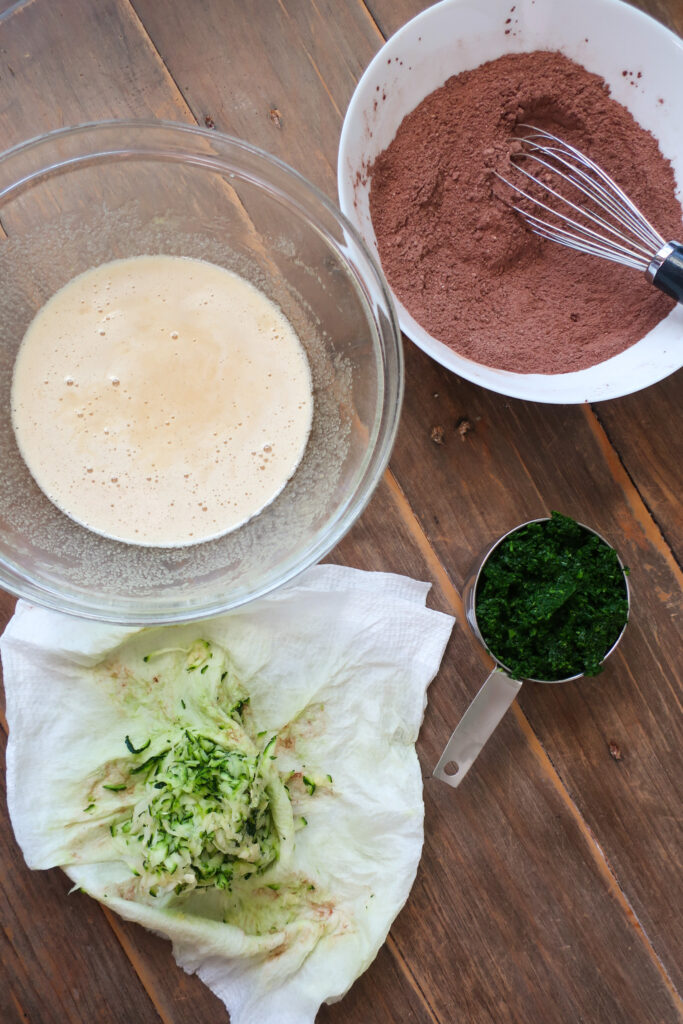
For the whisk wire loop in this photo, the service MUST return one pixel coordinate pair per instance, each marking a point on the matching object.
(609, 194)
(566, 238)
(623, 234)
(587, 234)
(597, 193)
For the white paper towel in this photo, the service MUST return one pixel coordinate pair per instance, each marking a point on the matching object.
(361, 645)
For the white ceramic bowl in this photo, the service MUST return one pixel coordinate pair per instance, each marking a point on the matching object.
(606, 37)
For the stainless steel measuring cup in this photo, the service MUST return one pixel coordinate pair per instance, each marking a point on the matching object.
(500, 689)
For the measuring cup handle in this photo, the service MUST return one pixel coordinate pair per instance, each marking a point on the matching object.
(476, 725)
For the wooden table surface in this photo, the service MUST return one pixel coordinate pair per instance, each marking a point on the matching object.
(549, 888)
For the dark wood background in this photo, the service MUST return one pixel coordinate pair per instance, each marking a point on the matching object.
(549, 891)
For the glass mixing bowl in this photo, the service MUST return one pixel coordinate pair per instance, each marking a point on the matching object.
(78, 197)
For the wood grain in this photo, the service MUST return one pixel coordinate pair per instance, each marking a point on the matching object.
(547, 890)
(643, 429)
(61, 964)
(175, 996)
(239, 71)
(517, 448)
(519, 460)
(510, 878)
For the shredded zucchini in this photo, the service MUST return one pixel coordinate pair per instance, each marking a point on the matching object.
(203, 817)
(202, 802)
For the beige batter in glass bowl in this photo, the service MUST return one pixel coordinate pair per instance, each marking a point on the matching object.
(80, 197)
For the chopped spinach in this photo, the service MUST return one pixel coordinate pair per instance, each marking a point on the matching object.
(551, 600)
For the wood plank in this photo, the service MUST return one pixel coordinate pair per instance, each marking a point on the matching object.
(644, 429)
(213, 50)
(509, 468)
(498, 862)
(119, 74)
(467, 492)
(638, 711)
(501, 859)
(670, 14)
(61, 964)
(512, 884)
(514, 913)
(91, 62)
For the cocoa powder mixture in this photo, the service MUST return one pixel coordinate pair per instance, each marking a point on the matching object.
(466, 266)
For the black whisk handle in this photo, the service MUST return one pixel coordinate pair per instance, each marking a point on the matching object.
(666, 270)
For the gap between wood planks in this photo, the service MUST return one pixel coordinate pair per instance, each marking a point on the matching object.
(313, 64)
(634, 498)
(405, 970)
(137, 963)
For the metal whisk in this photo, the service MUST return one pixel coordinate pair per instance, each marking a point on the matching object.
(623, 234)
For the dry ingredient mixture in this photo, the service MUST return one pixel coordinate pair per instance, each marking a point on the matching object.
(465, 265)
